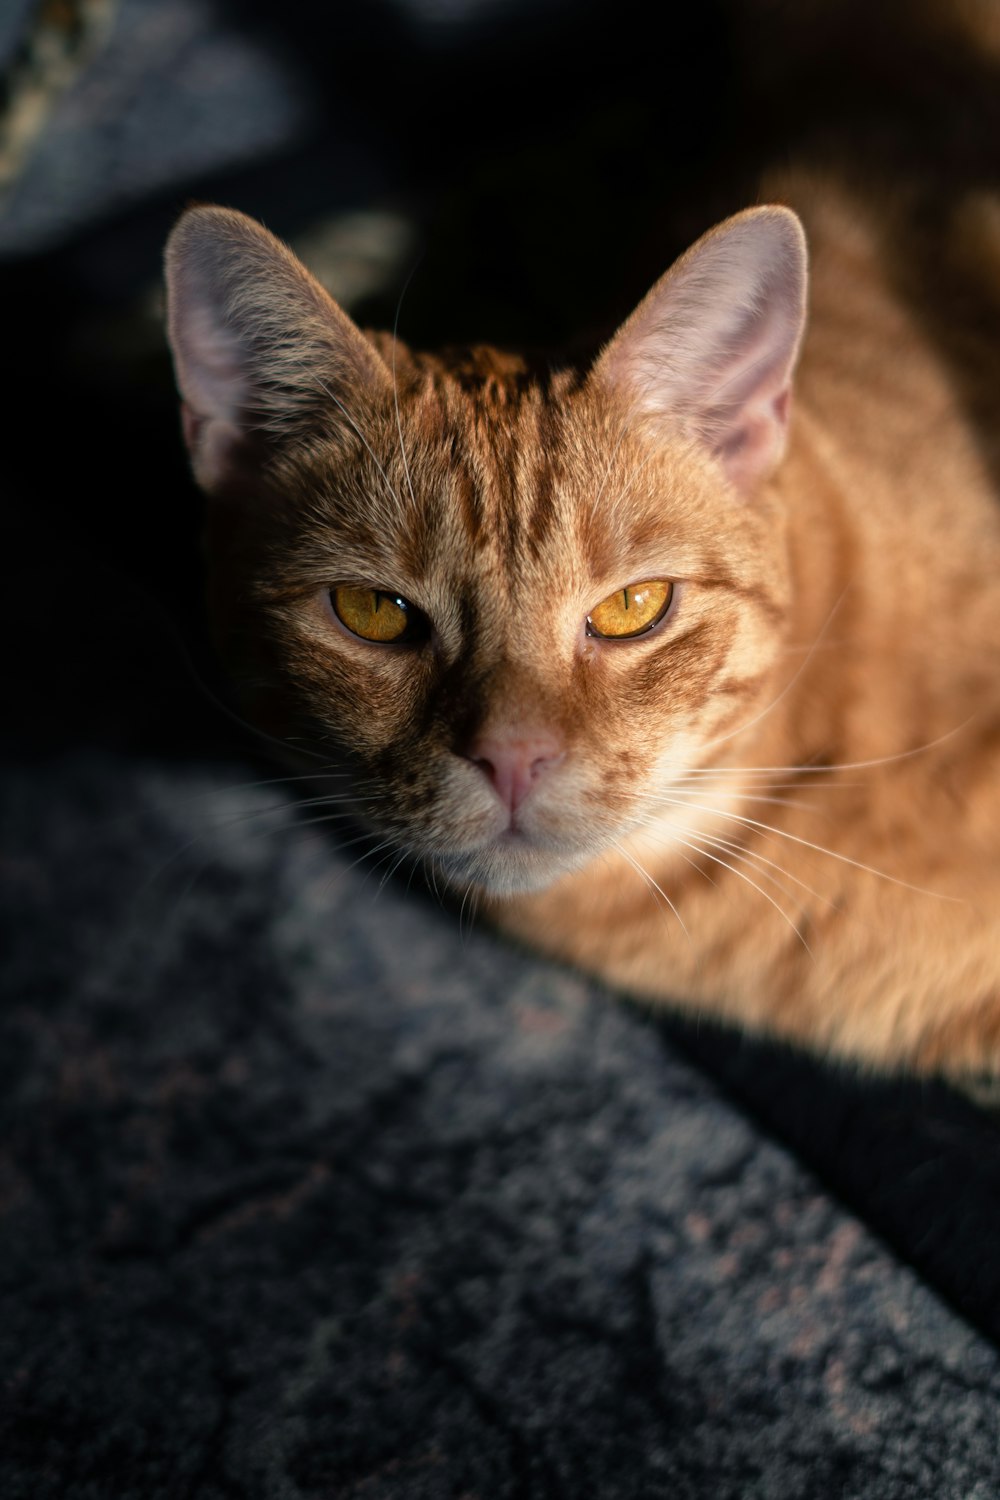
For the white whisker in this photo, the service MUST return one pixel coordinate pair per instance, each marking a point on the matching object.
(679, 791)
(337, 402)
(738, 850)
(368, 854)
(470, 890)
(818, 848)
(430, 867)
(634, 476)
(607, 473)
(742, 875)
(395, 388)
(390, 872)
(827, 769)
(651, 883)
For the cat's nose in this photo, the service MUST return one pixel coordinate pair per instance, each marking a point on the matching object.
(513, 763)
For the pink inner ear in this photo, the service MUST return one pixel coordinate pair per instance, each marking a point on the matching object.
(259, 347)
(713, 345)
(191, 425)
(211, 374)
(210, 363)
(753, 448)
(219, 451)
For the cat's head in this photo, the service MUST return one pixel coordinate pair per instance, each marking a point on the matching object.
(514, 604)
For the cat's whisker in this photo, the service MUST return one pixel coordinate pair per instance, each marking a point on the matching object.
(222, 826)
(367, 854)
(838, 643)
(247, 816)
(331, 817)
(827, 768)
(734, 773)
(390, 872)
(181, 802)
(693, 864)
(607, 473)
(290, 742)
(461, 909)
(737, 377)
(633, 477)
(740, 851)
(232, 820)
(343, 845)
(332, 799)
(651, 883)
(395, 387)
(344, 802)
(769, 828)
(337, 402)
(742, 875)
(430, 866)
(738, 772)
(165, 924)
(763, 866)
(880, 760)
(287, 780)
(681, 791)
(470, 890)
(766, 774)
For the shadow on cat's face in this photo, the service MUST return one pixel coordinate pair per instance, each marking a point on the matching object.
(516, 606)
(500, 736)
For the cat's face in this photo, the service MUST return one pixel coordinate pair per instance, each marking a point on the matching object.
(516, 608)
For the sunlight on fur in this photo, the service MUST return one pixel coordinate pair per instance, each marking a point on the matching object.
(679, 676)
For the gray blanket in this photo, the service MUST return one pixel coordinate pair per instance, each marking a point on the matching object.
(306, 1192)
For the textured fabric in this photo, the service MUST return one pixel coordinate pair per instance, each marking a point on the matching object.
(308, 1193)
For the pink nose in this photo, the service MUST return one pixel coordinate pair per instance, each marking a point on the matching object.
(514, 762)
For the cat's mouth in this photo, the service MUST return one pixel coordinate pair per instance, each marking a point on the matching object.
(512, 861)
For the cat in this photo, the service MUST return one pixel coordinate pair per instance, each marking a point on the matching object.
(691, 685)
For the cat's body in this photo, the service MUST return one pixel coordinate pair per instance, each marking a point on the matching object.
(886, 946)
(780, 804)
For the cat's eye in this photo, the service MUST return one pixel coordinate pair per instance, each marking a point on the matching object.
(378, 615)
(631, 611)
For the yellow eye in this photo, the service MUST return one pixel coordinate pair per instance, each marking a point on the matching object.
(631, 611)
(377, 615)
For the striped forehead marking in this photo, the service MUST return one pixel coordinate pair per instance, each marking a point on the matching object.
(501, 439)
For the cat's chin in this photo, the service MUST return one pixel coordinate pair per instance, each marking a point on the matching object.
(510, 865)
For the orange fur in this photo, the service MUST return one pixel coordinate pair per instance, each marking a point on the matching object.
(782, 808)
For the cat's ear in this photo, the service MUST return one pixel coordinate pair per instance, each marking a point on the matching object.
(712, 347)
(258, 345)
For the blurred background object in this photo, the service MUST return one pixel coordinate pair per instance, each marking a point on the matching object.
(42, 48)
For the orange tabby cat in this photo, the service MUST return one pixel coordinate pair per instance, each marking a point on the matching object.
(699, 694)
